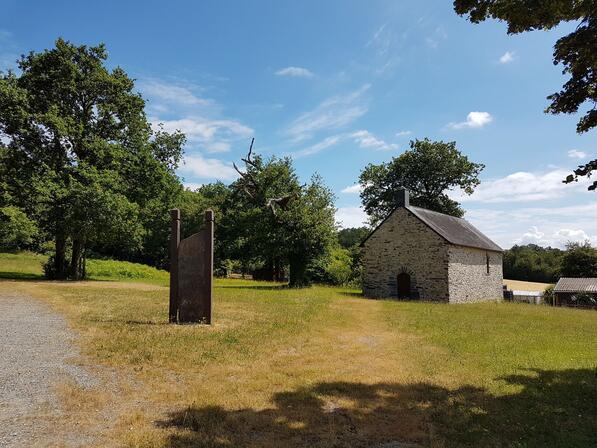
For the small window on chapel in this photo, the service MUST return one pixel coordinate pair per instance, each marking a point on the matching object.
(487, 262)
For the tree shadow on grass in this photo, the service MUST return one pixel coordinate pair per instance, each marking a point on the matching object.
(6, 275)
(352, 294)
(255, 287)
(550, 409)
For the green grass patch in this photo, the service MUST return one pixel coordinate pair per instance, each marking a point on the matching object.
(29, 266)
(21, 266)
(324, 367)
(125, 271)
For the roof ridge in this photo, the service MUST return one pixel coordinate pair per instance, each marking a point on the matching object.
(433, 211)
(476, 238)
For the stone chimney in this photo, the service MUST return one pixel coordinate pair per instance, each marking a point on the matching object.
(402, 199)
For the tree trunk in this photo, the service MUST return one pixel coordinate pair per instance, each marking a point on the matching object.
(278, 271)
(76, 264)
(298, 273)
(267, 272)
(60, 268)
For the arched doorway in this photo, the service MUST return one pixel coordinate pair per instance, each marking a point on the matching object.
(403, 284)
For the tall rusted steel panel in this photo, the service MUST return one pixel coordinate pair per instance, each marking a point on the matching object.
(194, 276)
(174, 242)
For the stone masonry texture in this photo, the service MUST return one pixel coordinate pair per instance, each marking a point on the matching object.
(404, 244)
(468, 278)
(439, 271)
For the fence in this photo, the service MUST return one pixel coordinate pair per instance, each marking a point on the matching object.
(532, 297)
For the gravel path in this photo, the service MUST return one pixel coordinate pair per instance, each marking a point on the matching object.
(36, 353)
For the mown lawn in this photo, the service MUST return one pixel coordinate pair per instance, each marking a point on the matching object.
(28, 266)
(324, 367)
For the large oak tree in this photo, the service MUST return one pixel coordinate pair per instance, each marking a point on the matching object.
(277, 221)
(81, 158)
(429, 170)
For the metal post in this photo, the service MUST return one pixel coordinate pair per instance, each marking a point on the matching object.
(174, 243)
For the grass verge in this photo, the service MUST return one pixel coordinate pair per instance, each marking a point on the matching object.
(323, 367)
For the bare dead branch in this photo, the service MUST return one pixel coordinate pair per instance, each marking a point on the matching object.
(281, 202)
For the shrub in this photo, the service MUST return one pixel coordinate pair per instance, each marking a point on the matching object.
(579, 260)
(17, 231)
(548, 295)
(339, 266)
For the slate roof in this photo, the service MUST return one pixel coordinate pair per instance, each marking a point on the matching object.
(454, 230)
(569, 284)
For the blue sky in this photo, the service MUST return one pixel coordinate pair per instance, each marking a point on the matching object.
(338, 85)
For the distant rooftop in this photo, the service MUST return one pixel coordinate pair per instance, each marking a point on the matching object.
(583, 284)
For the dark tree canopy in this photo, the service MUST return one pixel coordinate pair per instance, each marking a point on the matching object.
(277, 220)
(577, 51)
(533, 263)
(82, 158)
(429, 170)
(579, 260)
(352, 236)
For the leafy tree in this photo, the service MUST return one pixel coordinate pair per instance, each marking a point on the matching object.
(334, 268)
(579, 260)
(428, 169)
(277, 219)
(193, 204)
(352, 236)
(533, 263)
(17, 231)
(82, 158)
(577, 51)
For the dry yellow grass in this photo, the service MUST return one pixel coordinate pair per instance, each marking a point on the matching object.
(324, 367)
(519, 285)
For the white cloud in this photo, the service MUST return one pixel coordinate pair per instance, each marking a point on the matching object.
(318, 147)
(507, 57)
(433, 40)
(367, 140)
(523, 187)
(351, 217)
(533, 236)
(576, 154)
(198, 118)
(386, 45)
(574, 235)
(473, 120)
(217, 146)
(403, 133)
(547, 226)
(297, 72)
(203, 168)
(213, 135)
(353, 189)
(192, 185)
(381, 40)
(333, 113)
(172, 93)
(557, 238)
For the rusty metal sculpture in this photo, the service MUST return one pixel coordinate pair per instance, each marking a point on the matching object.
(191, 272)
